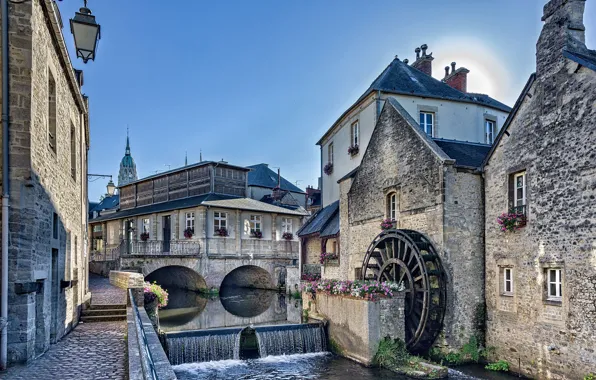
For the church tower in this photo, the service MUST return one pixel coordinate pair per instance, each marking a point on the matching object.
(128, 168)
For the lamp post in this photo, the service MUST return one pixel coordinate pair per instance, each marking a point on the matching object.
(111, 188)
(86, 33)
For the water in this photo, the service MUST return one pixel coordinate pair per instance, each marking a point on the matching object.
(203, 346)
(291, 339)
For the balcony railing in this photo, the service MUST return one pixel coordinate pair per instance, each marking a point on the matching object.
(109, 254)
(158, 248)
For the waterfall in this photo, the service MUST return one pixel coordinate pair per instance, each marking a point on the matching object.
(203, 345)
(290, 339)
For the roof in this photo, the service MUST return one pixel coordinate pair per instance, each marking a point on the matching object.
(322, 222)
(252, 205)
(262, 176)
(351, 174)
(287, 201)
(161, 207)
(511, 116)
(464, 153)
(107, 203)
(400, 78)
(586, 58)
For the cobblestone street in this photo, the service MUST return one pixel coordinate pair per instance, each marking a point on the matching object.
(91, 351)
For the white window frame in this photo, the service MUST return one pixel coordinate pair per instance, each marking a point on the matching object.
(508, 281)
(355, 129)
(287, 225)
(220, 220)
(516, 199)
(255, 220)
(392, 206)
(424, 125)
(146, 226)
(558, 283)
(490, 131)
(330, 153)
(189, 219)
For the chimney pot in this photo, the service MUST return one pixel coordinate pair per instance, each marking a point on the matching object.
(417, 50)
(424, 47)
(446, 71)
(406, 61)
(452, 67)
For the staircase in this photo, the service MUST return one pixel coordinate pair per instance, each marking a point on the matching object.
(104, 313)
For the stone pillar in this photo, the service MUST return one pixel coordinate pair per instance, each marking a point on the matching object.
(177, 228)
(239, 232)
(274, 230)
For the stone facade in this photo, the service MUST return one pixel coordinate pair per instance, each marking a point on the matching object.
(49, 140)
(550, 136)
(435, 197)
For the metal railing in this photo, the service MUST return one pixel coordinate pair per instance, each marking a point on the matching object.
(158, 247)
(109, 254)
(143, 341)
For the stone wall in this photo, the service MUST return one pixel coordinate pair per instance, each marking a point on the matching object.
(103, 268)
(355, 326)
(552, 138)
(45, 250)
(292, 279)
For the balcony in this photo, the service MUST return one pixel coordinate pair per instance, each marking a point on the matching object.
(253, 248)
(163, 248)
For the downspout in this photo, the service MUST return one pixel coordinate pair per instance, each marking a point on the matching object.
(5, 189)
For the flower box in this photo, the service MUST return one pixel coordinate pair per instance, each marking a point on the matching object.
(512, 221)
(327, 256)
(328, 169)
(353, 150)
(287, 236)
(388, 224)
(144, 236)
(256, 234)
(221, 232)
(188, 233)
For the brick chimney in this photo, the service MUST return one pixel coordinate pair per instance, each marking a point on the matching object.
(457, 79)
(563, 29)
(424, 62)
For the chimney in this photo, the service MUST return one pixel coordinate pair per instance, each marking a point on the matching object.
(423, 62)
(458, 79)
(563, 29)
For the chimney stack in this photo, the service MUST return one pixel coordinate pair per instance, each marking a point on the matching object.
(458, 79)
(423, 62)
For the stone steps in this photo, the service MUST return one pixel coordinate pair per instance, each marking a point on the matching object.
(104, 313)
(102, 318)
(108, 306)
(99, 312)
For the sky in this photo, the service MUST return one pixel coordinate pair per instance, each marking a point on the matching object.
(262, 80)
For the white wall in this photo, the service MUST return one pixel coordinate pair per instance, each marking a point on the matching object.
(453, 120)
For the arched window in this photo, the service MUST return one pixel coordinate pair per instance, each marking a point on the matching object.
(392, 206)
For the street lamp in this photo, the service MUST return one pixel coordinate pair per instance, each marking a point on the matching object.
(86, 33)
(111, 188)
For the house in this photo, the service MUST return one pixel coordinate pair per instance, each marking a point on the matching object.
(267, 186)
(541, 275)
(313, 199)
(442, 108)
(47, 183)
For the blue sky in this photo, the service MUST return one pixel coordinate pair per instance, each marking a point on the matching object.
(261, 81)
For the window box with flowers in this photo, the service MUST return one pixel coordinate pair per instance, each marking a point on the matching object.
(328, 169)
(287, 236)
(144, 236)
(353, 150)
(221, 232)
(328, 258)
(388, 224)
(188, 233)
(256, 234)
(512, 220)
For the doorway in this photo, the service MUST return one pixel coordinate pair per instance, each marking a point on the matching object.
(167, 233)
(55, 291)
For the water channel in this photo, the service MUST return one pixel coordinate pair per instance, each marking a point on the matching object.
(253, 334)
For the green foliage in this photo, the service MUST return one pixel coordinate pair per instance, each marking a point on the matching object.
(335, 347)
(297, 295)
(501, 365)
(590, 376)
(471, 350)
(391, 353)
(152, 291)
(453, 358)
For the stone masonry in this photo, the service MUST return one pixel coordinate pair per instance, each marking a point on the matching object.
(48, 195)
(551, 136)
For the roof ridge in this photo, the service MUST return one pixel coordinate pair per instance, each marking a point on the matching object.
(461, 141)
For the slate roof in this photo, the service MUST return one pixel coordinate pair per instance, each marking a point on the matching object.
(161, 207)
(252, 205)
(464, 153)
(262, 176)
(586, 58)
(324, 222)
(400, 78)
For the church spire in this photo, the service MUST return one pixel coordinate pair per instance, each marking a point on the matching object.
(128, 168)
(127, 151)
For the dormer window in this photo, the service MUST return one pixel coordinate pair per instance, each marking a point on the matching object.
(427, 122)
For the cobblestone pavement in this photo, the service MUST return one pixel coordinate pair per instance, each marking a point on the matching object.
(91, 351)
(102, 292)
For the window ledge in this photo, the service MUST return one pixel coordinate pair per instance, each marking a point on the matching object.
(506, 294)
(553, 301)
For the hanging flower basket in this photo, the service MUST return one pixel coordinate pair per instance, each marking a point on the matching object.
(145, 236)
(287, 236)
(223, 232)
(256, 234)
(387, 224)
(511, 221)
(328, 169)
(353, 150)
(188, 233)
(327, 256)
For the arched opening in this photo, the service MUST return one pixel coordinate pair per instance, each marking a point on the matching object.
(177, 277)
(249, 345)
(248, 276)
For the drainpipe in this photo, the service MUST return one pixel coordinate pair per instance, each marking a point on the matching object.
(5, 189)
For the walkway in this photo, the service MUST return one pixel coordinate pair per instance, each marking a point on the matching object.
(91, 351)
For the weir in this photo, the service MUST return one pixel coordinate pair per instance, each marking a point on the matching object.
(291, 339)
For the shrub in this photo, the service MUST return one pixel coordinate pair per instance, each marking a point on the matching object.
(153, 291)
(501, 365)
(391, 353)
(590, 376)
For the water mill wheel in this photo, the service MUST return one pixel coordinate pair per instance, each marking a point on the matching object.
(408, 256)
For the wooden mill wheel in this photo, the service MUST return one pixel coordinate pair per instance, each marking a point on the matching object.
(409, 257)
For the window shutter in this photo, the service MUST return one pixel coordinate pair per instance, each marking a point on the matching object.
(511, 192)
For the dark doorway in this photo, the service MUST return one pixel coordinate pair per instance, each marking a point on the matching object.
(40, 320)
(249, 344)
(55, 295)
(167, 233)
(129, 231)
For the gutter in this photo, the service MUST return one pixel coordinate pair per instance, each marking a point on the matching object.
(5, 190)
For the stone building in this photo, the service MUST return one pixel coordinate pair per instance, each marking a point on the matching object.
(442, 108)
(49, 141)
(541, 278)
(128, 168)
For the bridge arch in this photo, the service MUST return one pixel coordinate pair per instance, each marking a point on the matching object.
(248, 276)
(176, 276)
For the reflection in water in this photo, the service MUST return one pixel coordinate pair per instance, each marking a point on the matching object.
(244, 302)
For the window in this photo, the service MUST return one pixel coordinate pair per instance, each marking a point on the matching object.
(286, 225)
(519, 195)
(55, 226)
(489, 131)
(507, 280)
(190, 221)
(76, 250)
(255, 223)
(220, 220)
(392, 206)
(355, 133)
(146, 224)
(427, 122)
(555, 284)
(73, 152)
(330, 153)
(51, 112)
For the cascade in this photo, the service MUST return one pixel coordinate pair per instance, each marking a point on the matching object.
(290, 339)
(203, 345)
